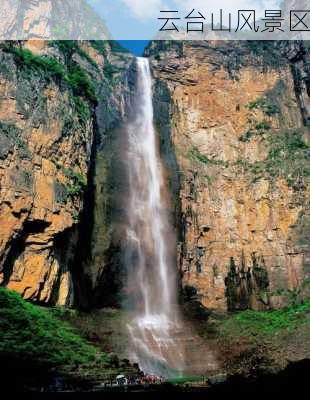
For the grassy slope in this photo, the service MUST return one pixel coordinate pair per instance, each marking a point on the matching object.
(29, 332)
(255, 323)
(250, 341)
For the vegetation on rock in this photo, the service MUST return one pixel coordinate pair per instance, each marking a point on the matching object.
(31, 332)
(263, 104)
(288, 157)
(25, 58)
(12, 137)
(262, 323)
(68, 47)
(78, 184)
(260, 341)
(195, 154)
(73, 75)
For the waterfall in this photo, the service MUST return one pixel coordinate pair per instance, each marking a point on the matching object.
(150, 244)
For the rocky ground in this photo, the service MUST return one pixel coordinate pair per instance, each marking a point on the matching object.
(247, 344)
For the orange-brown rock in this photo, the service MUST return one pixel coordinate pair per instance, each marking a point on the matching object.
(46, 146)
(244, 228)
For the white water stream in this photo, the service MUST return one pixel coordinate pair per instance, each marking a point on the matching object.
(150, 244)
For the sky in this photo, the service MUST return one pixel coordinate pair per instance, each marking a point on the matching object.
(138, 19)
(135, 46)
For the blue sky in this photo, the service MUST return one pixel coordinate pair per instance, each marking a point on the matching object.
(135, 46)
(138, 19)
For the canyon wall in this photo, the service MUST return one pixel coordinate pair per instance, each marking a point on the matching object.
(233, 121)
(58, 101)
(50, 19)
(234, 124)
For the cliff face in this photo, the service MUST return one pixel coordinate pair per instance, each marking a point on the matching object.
(234, 125)
(49, 132)
(50, 19)
(233, 122)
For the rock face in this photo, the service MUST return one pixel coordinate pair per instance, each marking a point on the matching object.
(50, 19)
(233, 120)
(48, 140)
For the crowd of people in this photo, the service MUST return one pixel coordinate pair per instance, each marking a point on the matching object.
(150, 380)
(122, 380)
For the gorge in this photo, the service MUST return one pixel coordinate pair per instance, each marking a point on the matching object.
(172, 187)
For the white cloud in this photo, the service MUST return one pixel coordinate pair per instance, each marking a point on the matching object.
(149, 9)
(228, 5)
(145, 9)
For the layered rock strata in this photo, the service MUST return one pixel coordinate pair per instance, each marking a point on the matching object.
(234, 125)
(49, 96)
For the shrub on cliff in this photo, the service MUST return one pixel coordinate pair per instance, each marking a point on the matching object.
(76, 78)
(26, 58)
